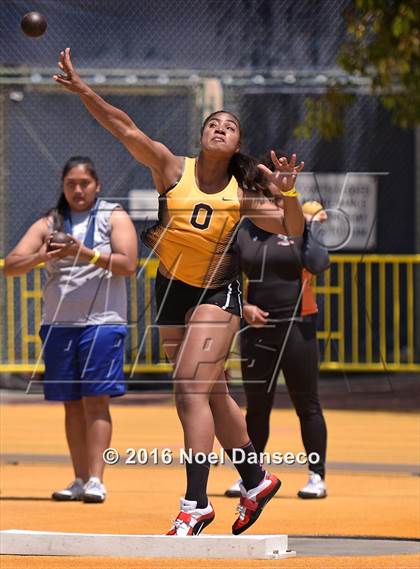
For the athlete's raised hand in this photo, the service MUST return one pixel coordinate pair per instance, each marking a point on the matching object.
(283, 178)
(69, 77)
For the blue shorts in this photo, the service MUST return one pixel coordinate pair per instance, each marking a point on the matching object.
(83, 361)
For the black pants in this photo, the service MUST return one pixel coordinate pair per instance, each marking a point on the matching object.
(260, 352)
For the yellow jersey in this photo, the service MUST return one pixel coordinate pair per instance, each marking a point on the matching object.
(194, 234)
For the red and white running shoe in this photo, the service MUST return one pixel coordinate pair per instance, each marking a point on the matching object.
(191, 520)
(252, 502)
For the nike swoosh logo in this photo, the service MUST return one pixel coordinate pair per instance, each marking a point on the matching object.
(227, 199)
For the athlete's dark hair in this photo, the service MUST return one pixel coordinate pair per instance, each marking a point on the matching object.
(246, 171)
(59, 210)
(242, 166)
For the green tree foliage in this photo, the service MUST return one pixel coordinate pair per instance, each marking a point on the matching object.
(382, 45)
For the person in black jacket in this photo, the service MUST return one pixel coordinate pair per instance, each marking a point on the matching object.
(279, 333)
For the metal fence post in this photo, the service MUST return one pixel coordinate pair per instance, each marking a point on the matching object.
(417, 246)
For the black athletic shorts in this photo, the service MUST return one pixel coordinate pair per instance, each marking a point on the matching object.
(174, 298)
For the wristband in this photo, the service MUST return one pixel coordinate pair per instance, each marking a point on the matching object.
(95, 257)
(290, 193)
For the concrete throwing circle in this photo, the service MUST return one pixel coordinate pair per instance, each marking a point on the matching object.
(352, 546)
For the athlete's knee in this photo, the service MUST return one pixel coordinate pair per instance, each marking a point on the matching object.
(259, 403)
(96, 405)
(74, 409)
(75, 405)
(219, 398)
(188, 401)
(306, 405)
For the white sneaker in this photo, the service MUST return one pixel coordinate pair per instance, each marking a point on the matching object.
(234, 491)
(191, 520)
(315, 488)
(94, 491)
(74, 491)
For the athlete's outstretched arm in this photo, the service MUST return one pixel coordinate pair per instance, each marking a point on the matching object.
(147, 151)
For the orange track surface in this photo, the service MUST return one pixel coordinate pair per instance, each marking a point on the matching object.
(144, 499)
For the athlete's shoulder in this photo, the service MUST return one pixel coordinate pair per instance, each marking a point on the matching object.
(105, 205)
(164, 187)
(44, 224)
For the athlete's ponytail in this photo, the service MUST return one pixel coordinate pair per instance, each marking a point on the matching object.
(246, 172)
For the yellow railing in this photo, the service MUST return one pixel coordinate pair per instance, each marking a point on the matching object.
(366, 319)
(367, 313)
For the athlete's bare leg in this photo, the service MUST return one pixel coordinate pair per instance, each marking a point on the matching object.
(75, 426)
(199, 363)
(171, 338)
(98, 432)
(229, 421)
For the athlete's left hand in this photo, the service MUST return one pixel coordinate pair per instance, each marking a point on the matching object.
(254, 315)
(283, 178)
(72, 249)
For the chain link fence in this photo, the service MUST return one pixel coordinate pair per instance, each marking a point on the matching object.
(181, 34)
(371, 144)
(45, 126)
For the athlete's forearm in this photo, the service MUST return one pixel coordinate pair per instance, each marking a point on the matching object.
(113, 119)
(117, 263)
(15, 265)
(118, 123)
(293, 220)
